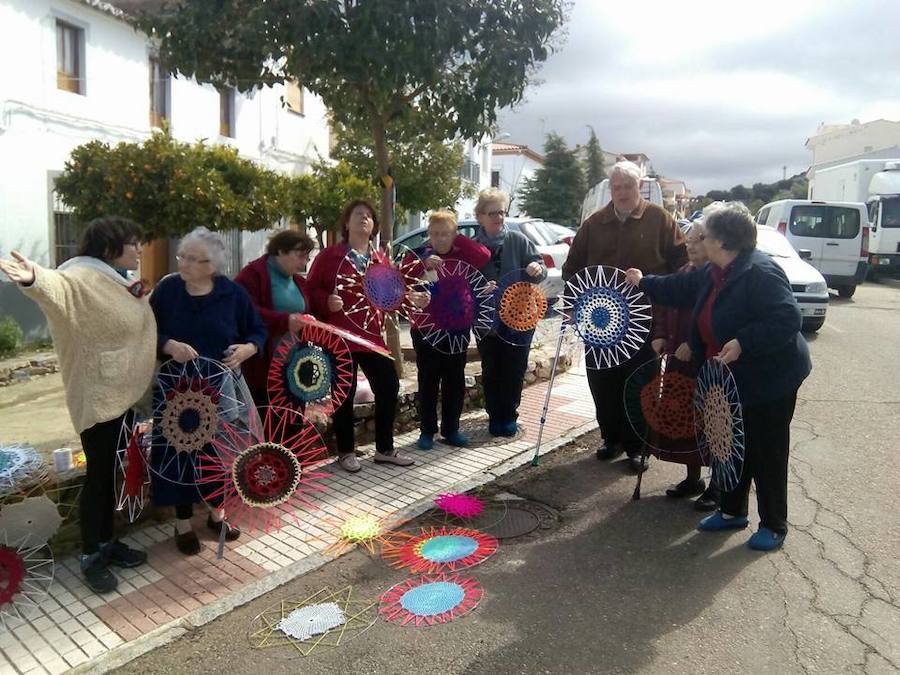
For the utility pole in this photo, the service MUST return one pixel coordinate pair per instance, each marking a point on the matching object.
(784, 172)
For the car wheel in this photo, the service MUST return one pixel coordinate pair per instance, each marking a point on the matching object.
(847, 291)
(812, 325)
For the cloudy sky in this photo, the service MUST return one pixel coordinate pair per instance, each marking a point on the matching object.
(716, 92)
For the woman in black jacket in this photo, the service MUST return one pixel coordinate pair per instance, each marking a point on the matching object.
(745, 315)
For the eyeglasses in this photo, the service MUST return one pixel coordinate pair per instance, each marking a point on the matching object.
(495, 214)
(192, 260)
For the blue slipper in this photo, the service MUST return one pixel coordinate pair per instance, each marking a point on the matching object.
(457, 439)
(717, 522)
(765, 539)
(509, 429)
(425, 442)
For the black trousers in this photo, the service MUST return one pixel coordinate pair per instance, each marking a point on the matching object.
(767, 443)
(382, 378)
(503, 369)
(98, 496)
(608, 390)
(444, 373)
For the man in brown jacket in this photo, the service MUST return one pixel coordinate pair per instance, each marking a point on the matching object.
(627, 232)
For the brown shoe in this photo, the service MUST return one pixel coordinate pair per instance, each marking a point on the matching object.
(187, 543)
(349, 462)
(395, 459)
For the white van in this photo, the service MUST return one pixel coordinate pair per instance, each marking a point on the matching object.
(831, 235)
(599, 196)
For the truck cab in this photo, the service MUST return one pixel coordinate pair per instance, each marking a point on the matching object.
(884, 220)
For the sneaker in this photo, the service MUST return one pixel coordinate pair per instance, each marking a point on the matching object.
(425, 442)
(187, 543)
(718, 522)
(395, 459)
(765, 539)
(609, 451)
(349, 462)
(121, 555)
(457, 439)
(97, 575)
(232, 532)
(686, 488)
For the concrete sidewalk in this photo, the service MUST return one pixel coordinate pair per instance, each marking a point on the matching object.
(156, 603)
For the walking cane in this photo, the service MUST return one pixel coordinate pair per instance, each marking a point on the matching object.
(559, 341)
(645, 447)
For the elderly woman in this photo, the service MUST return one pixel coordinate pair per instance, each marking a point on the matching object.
(436, 371)
(359, 225)
(200, 312)
(745, 315)
(503, 365)
(103, 331)
(677, 323)
(279, 294)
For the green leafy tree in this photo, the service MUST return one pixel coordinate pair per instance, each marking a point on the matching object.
(426, 171)
(556, 190)
(170, 187)
(319, 197)
(444, 67)
(594, 170)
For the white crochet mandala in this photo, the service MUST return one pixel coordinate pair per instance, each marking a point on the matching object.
(304, 623)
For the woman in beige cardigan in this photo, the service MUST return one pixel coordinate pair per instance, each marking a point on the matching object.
(105, 335)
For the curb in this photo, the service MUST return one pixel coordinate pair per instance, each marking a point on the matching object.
(164, 635)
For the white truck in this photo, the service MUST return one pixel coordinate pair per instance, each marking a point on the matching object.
(875, 182)
(599, 196)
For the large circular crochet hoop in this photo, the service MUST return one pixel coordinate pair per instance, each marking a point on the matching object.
(611, 316)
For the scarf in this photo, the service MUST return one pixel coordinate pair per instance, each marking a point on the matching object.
(493, 242)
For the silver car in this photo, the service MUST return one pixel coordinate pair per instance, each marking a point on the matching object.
(808, 285)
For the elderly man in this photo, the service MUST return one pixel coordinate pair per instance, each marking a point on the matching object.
(627, 232)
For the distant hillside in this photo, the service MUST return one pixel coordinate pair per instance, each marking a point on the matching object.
(795, 187)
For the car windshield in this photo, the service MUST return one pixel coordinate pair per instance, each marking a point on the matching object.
(538, 232)
(774, 244)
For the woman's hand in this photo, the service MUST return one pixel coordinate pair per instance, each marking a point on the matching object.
(335, 304)
(534, 269)
(235, 355)
(731, 351)
(180, 351)
(633, 276)
(419, 298)
(20, 270)
(659, 345)
(433, 262)
(491, 286)
(684, 353)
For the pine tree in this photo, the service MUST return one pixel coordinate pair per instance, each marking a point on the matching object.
(593, 165)
(556, 190)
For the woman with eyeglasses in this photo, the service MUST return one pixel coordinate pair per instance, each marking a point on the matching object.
(677, 322)
(104, 335)
(201, 312)
(278, 292)
(503, 365)
(745, 315)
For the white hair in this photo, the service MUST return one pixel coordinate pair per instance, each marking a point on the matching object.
(212, 241)
(627, 169)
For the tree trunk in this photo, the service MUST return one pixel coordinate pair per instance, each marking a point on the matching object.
(392, 334)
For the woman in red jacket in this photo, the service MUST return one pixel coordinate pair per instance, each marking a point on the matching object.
(279, 295)
(359, 225)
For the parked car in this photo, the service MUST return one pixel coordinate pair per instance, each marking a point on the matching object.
(807, 283)
(553, 253)
(564, 234)
(834, 233)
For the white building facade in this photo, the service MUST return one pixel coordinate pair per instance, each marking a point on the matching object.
(71, 72)
(511, 166)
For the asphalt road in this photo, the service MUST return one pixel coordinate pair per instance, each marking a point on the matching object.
(622, 586)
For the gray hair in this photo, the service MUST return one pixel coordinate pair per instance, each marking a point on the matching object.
(212, 241)
(627, 169)
(732, 224)
(491, 195)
